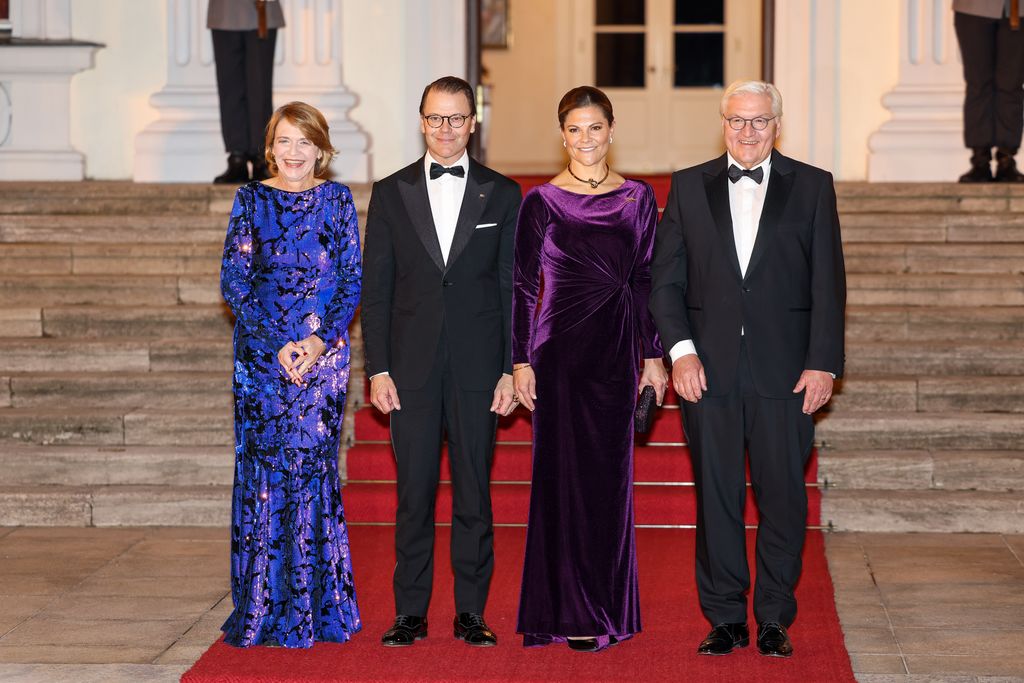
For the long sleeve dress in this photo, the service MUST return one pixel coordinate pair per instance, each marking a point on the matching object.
(291, 268)
(591, 256)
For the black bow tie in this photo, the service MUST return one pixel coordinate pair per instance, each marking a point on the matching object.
(437, 170)
(735, 173)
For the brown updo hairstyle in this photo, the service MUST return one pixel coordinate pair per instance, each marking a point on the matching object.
(584, 96)
(313, 125)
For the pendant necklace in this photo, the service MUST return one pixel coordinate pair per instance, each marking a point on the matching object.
(590, 181)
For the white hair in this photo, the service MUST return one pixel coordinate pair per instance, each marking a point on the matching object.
(753, 88)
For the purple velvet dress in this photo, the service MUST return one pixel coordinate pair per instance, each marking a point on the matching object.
(590, 254)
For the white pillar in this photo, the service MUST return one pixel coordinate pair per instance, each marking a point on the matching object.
(923, 141)
(185, 143)
(36, 67)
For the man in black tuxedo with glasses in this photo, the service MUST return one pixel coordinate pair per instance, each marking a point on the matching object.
(748, 294)
(436, 314)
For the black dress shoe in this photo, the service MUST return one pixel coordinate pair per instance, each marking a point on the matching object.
(405, 631)
(471, 628)
(588, 644)
(1006, 167)
(981, 167)
(238, 171)
(773, 641)
(260, 170)
(723, 638)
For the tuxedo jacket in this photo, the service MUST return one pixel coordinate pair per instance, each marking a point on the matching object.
(789, 304)
(412, 300)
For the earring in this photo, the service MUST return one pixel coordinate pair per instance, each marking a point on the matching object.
(565, 145)
(611, 140)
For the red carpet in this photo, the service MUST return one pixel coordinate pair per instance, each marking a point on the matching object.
(672, 622)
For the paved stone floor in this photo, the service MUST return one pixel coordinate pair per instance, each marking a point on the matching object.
(87, 605)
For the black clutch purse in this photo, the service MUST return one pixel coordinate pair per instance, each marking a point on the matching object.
(643, 416)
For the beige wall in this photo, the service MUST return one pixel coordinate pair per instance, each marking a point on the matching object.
(524, 124)
(110, 103)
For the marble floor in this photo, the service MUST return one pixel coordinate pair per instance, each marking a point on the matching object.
(88, 605)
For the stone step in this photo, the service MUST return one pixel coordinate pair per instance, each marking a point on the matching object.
(897, 257)
(124, 390)
(45, 426)
(932, 227)
(31, 465)
(934, 323)
(922, 470)
(115, 506)
(194, 320)
(116, 229)
(179, 427)
(111, 197)
(946, 431)
(106, 197)
(917, 289)
(77, 355)
(21, 321)
(145, 259)
(928, 394)
(923, 511)
(55, 290)
(913, 357)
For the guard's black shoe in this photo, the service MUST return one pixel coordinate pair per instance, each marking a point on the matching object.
(238, 171)
(981, 167)
(773, 641)
(723, 638)
(1006, 168)
(472, 629)
(260, 170)
(405, 631)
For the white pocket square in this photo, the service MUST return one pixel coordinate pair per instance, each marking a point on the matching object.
(485, 225)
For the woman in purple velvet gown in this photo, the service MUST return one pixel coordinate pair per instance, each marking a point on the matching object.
(585, 239)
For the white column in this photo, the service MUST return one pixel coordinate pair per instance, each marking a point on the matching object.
(923, 141)
(35, 87)
(185, 143)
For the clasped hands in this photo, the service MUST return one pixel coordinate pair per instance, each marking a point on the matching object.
(298, 357)
(689, 381)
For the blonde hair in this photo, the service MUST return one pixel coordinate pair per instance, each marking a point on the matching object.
(313, 125)
(753, 88)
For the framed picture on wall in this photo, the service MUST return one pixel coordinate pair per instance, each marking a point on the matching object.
(494, 23)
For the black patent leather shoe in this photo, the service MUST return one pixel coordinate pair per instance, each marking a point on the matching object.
(1006, 168)
(723, 638)
(405, 631)
(773, 641)
(588, 644)
(981, 167)
(472, 629)
(237, 171)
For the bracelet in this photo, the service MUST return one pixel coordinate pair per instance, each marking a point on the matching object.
(521, 366)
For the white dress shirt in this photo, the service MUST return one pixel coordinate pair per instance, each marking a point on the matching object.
(445, 194)
(746, 200)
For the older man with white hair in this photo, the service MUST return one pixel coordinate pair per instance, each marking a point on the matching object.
(748, 294)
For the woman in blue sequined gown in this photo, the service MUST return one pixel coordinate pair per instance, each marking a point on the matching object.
(291, 275)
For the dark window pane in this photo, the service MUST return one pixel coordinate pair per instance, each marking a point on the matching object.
(619, 12)
(700, 11)
(620, 60)
(700, 59)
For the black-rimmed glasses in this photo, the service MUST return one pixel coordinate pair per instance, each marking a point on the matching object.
(454, 120)
(739, 123)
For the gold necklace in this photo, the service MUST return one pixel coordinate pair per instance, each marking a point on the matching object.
(590, 181)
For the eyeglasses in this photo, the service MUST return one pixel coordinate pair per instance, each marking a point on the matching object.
(739, 123)
(454, 120)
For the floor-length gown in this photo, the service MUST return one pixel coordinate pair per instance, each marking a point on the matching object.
(590, 254)
(291, 269)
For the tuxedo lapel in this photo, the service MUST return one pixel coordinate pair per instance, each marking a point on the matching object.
(717, 189)
(473, 203)
(775, 200)
(413, 188)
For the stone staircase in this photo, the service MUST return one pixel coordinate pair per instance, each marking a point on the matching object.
(927, 431)
(115, 358)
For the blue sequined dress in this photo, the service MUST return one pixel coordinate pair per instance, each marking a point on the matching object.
(291, 269)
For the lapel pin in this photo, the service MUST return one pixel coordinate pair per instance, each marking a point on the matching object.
(481, 195)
